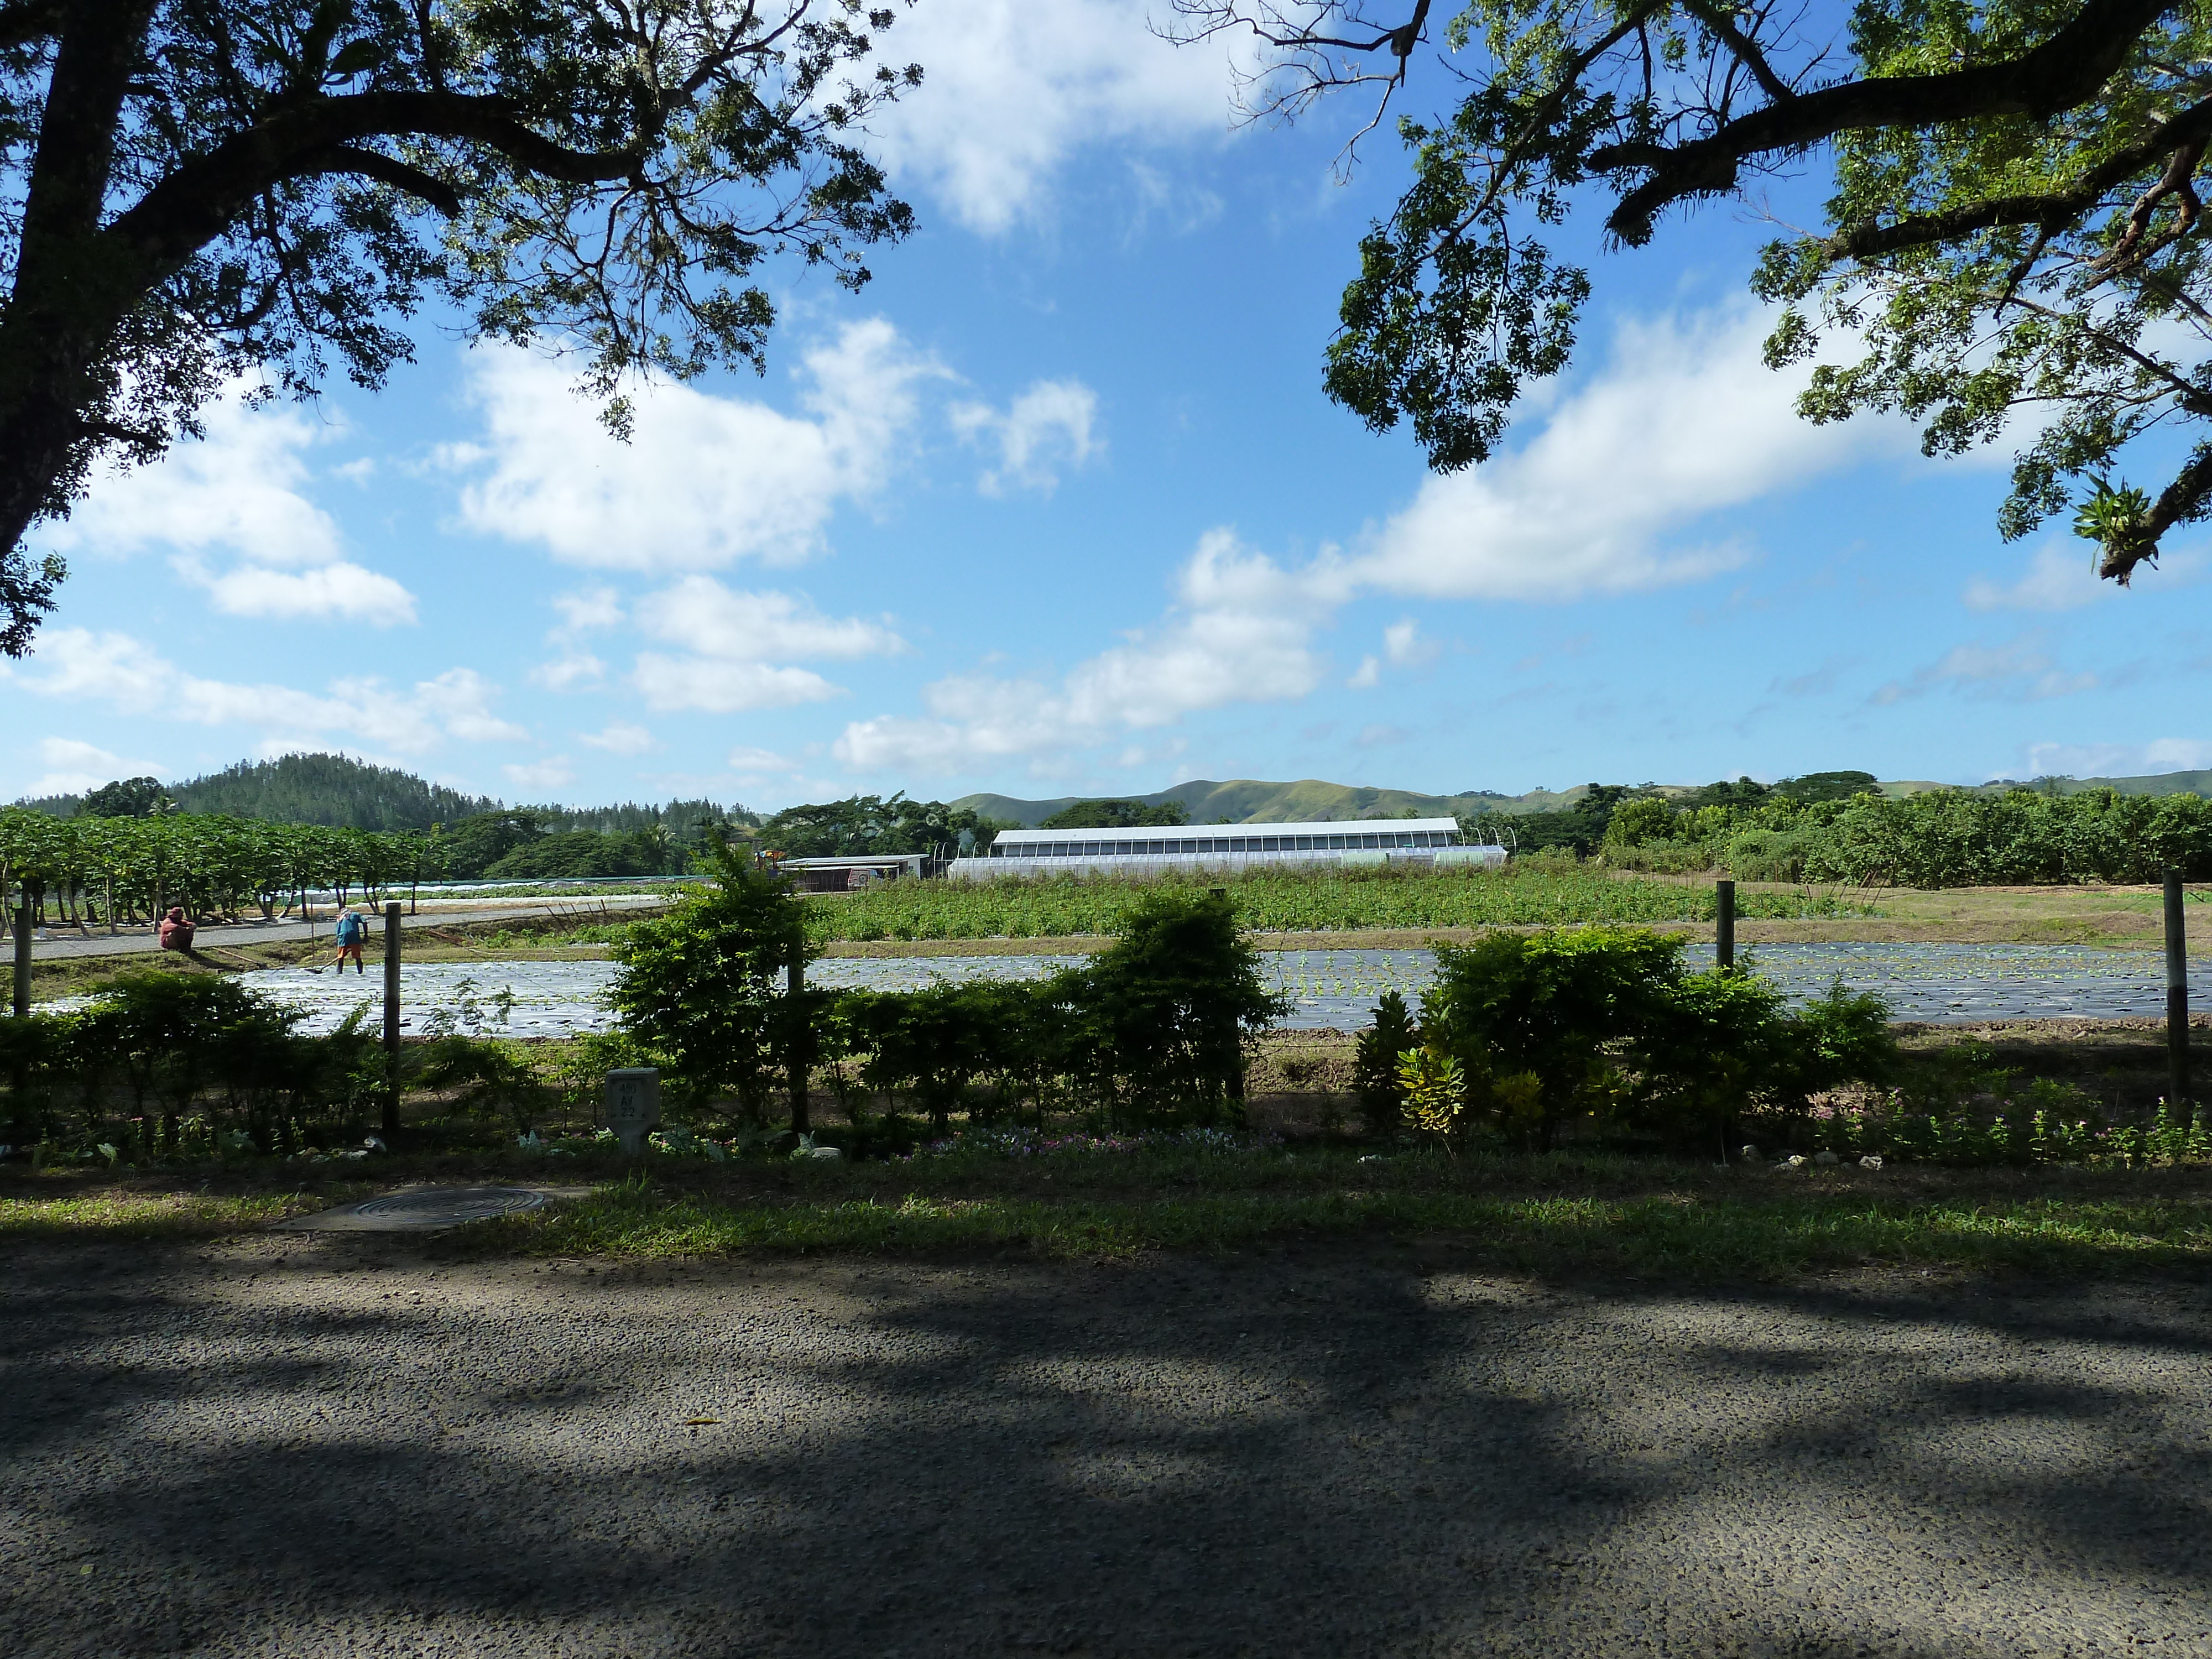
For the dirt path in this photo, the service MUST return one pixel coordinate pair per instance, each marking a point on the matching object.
(62, 946)
(335, 1445)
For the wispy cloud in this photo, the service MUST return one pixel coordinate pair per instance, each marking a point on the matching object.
(2022, 670)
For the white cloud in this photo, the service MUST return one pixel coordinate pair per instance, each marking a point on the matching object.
(1242, 634)
(733, 639)
(2020, 671)
(619, 737)
(2058, 578)
(239, 488)
(131, 677)
(581, 612)
(1047, 426)
(701, 615)
(585, 610)
(1014, 88)
(2062, 576)
(1403, 644)
(1683, 419)
(553, 772)
(2119, 760)
(572, 667)
(760, 760)
(344, 591)
(725, 688)
(705, 480)
(74, 766)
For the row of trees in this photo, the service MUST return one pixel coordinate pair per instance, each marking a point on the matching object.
(863, 824)
(1942, 838)
(107, 872)
(1586, 824)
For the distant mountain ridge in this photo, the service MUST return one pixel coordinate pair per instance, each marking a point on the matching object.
(1310, 801)
(341, 792)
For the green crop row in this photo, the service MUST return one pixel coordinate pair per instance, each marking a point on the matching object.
(1290, 902)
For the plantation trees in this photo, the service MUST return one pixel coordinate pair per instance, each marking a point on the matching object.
(198, 189)
(2016, 220)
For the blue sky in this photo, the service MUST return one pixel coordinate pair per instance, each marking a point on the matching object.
(1056, 505)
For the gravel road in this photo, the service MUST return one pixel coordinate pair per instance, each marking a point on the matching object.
(344, 1445)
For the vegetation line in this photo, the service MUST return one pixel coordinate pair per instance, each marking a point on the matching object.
(1667, 1235)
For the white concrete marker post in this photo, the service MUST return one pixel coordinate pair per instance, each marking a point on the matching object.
(633, 1105)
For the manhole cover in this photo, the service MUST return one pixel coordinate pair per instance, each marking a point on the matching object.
(453, 1204)
(423, 1207)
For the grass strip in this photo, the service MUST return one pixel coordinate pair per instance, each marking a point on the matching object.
(1670, 1237)
(154, 1215)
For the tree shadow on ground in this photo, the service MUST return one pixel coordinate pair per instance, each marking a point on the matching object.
(1329, 1450)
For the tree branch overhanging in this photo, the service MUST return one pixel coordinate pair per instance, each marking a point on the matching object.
(2064, 70)
(24, 21)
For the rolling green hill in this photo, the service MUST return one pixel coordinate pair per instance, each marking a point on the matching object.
(341, 793)
(1245, 800)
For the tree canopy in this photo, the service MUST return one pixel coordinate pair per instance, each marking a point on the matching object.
(195, 192)
(863, 824)
(2015, 226)
(1117, 815)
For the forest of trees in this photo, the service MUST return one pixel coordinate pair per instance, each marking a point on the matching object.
(861, 824)
(476, 836)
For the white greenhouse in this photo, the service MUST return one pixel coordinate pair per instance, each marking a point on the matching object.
(1434, 842)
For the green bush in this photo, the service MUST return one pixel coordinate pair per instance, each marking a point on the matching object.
(937, 1042)
(491, 1076)
(698, 988)
(1554, 1005)
(1375, 1078)
(1607, 1022)
(184, 1048)
(1161, 1023)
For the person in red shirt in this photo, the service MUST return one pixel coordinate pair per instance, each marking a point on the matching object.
(176, 930)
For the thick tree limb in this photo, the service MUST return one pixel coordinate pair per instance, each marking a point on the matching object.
(2064, 70)
(2184, 500)
(2186, 132)
(196, 202)
(345, 158)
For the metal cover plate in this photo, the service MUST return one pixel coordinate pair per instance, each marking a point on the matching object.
(419, 1209)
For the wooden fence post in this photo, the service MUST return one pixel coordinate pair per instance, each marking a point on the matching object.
(1724, 924)
(391, 1022)
(2177, 1000)
(21, 1003)
(801, 1038)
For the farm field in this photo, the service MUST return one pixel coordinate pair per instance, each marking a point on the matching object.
(1343, 915)
(1270, 902)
